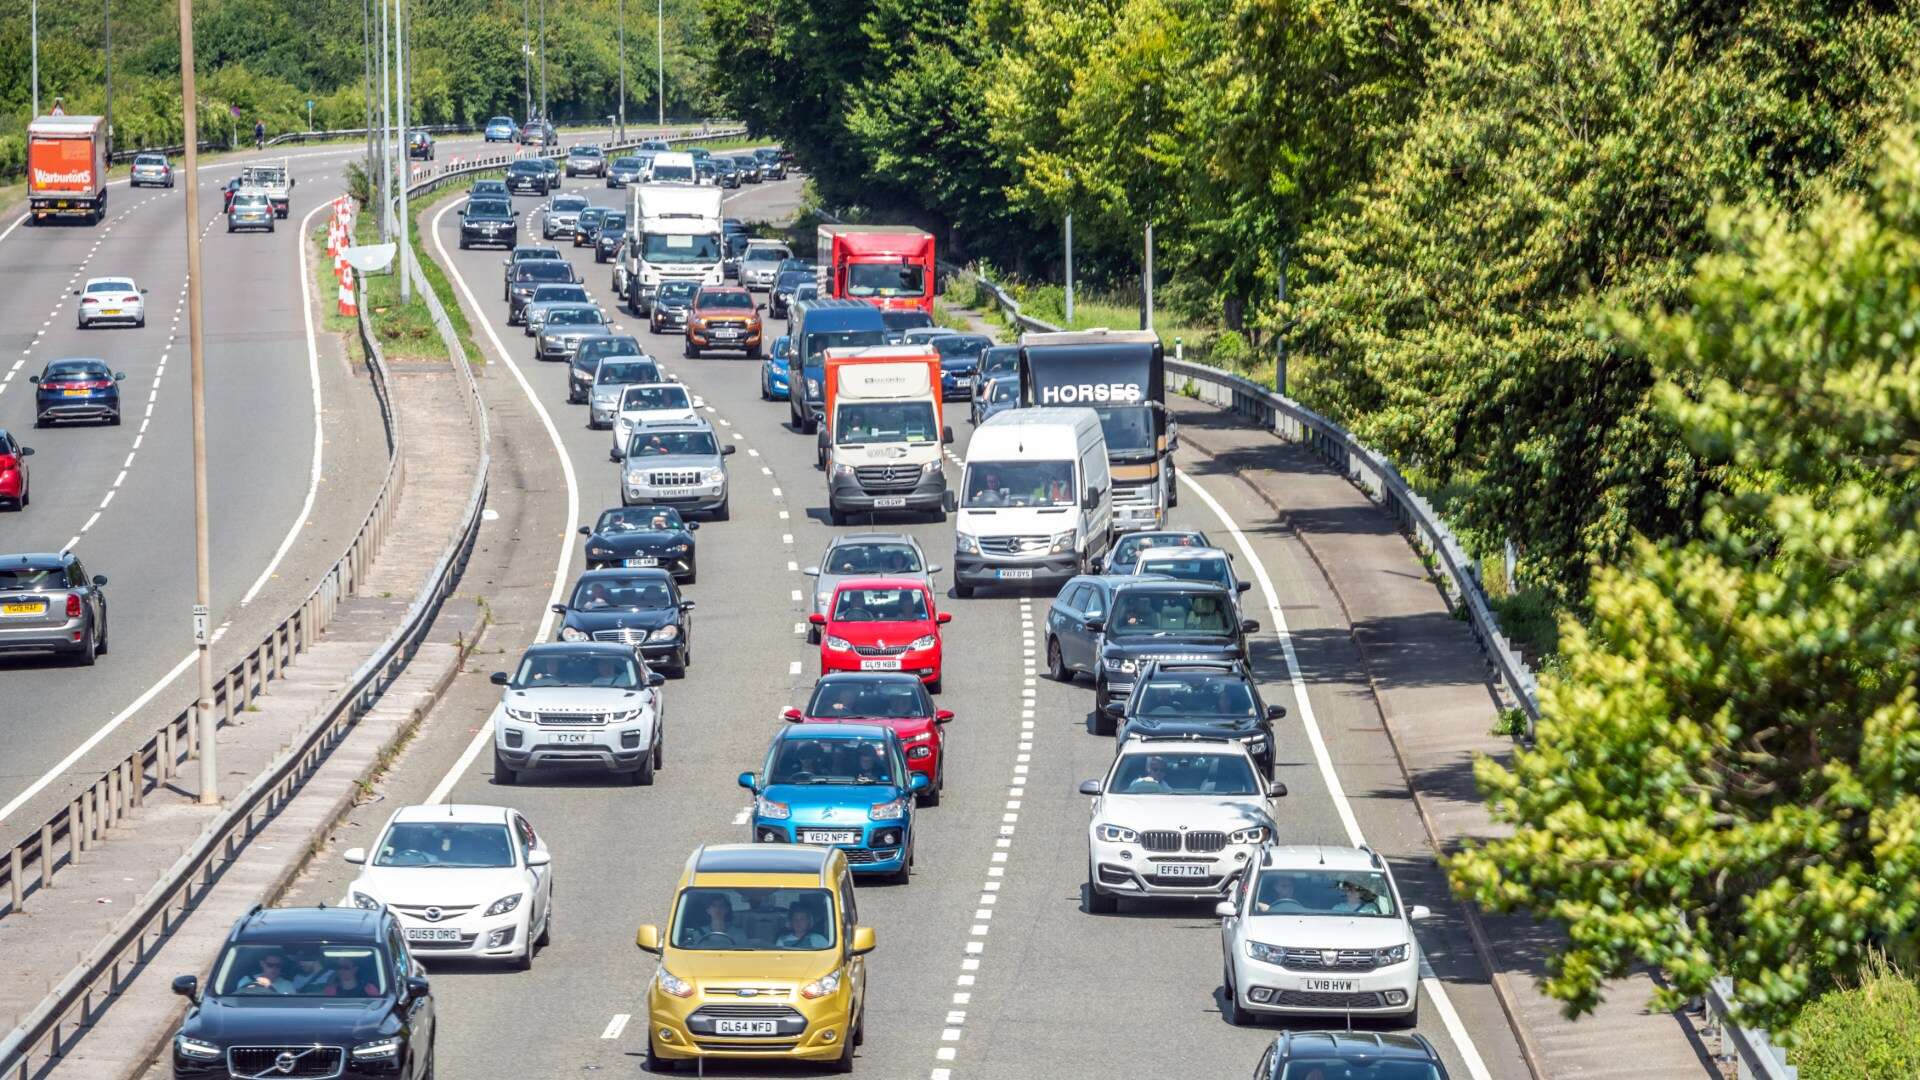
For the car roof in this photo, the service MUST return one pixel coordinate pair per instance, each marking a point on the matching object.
(1315, 856)
(78, 363)
(683, 423)
(790, 859)
(534, 251)
(462, 813)
(1216, 667)
(1175, 552)
(1195, 744)
(38, 560)
(1355, 1045)
(92, 281)
(303, 924)
(876, 678)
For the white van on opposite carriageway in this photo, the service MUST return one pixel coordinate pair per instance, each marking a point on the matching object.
(1036, 503)
(671, 167)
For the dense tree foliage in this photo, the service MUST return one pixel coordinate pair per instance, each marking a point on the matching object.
(267, 58)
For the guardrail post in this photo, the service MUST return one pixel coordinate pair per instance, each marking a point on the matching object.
(46, 856)
(17, 881)
(73, 833)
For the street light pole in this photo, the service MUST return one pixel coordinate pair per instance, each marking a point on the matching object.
(1069, 271)
(1280, 331)
(34, 34)
(400, 65)
(660, 58)
(623, 70)
(366, 64)
(106, 19)
(543, 64)
(1146, 281)
(196, 352)
(386, 136)
(526, 53)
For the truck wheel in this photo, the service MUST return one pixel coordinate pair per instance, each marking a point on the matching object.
(691, 352)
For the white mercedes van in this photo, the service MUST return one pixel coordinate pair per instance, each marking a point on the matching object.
(1036, 503)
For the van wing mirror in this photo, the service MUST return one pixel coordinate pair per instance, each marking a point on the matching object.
(648, 938)
(1249, 626)
(863, 941)
(951, 502)
(1092, 501)
(946, 435)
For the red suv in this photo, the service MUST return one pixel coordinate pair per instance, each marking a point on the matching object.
(16, 489)
(891, 699)
(882, 624)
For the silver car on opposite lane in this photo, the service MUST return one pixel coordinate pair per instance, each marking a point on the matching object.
(48, 603)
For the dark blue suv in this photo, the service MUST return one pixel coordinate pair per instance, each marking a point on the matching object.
(820, 325)
(76, 390)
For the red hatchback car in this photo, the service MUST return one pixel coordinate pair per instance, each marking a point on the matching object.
(16, 487)
(892, 699)
(882, 624)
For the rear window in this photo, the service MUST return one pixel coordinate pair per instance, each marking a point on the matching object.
(250, 200)
(110, 286)
(21, 578)
(150, 159)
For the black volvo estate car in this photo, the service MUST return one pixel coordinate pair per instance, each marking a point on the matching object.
(308, 993)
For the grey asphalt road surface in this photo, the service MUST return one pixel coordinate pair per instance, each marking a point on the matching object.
(987, 965)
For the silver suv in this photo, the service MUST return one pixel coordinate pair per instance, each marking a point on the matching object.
(560, 216)
(677, 463)
(47, 602)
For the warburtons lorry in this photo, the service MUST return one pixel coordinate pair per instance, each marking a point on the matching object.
(67, 168)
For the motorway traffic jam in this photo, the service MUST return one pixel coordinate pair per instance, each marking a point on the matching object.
(1057, 504)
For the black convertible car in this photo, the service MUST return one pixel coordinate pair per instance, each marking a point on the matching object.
(637, 537)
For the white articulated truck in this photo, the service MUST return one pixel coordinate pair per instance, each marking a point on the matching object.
(673, 235)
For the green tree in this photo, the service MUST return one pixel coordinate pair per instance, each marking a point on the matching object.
(1725, 774)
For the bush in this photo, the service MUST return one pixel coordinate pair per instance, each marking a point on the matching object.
(1867, 1032)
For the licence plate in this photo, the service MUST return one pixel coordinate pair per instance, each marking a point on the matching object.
(74, 393)
(1015, 575)
(29, 607)
(879, 665)
(110, 311)
(425, 934)
(643, 562)
(889, 503)
(570, 737)
(836, 836)
(1180, 870)
(745, 1027)
(674, 493)
(726, 333)
(1331, 986)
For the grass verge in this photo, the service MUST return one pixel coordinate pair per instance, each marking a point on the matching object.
(436, 275)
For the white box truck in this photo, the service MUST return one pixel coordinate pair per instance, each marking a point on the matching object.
(883, 432)
(1036, 502)
(673, 235)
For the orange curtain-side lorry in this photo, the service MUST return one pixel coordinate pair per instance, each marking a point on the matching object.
(67, 168)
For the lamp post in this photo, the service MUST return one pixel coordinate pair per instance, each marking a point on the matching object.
(543, 64)
(660, 58)
(106, 20)
(400, 68)
(34, 35)
(1280, 335)
(1069, 270)
(386, 132)
(526, 53)
(623, 71)
(196, 351)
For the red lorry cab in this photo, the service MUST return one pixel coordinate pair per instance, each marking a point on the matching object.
(67, 167)
(888, 266)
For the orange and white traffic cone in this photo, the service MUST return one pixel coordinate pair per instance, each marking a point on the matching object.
(348, 307)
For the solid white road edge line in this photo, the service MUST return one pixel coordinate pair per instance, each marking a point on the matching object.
(1437, 990)
(313, 376)
(484, 736)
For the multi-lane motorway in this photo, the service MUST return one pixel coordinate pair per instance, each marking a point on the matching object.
(987, 965)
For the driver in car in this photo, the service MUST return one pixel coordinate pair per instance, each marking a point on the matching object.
(719, 912)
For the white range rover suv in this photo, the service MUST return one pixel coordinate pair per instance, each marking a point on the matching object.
(1178, 817)
(579, 704)
(468, 881)
(1320, 931)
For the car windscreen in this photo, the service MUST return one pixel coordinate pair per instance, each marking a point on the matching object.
(564, 294)
(729, 299)
(884, 422)
(1193, 693)
(630, 592)
(1020, 483)
(627, 371)
(1002, 390)
(1126, 429)
(672, 174)
(886, 279)
(830, 761)
(526, 168)
(906, 320)
(677, 290)
(1141, 613)
(489, 209)
(452, 844)
(585, 151)
(1312, 1068)
(524, 255)
(544, 270)
(593, 350)
(764, 253)
(552, 669)
(1126, 551)
(817, 342)
(648, 444)
(27, 578)
(626, 164)
(569, 204)
(678, 248)
(1213, 571)
(859, 699)
(999, 360)
(1174, 773)
(488, 187)
(628, 519)
(590, 215)
(742, 919)
(955, 346)
(612, 221)
(571, 316)
(857, 605)
(300, 969)
(789, 278)
(881, 557)
(1344, 893)
(655, 397)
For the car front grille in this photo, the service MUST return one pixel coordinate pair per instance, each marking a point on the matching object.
(309, 1062)
(682, 478)
(1160, 840)
(857, 856)
(880, 650)
(1315, 960)
(1168, 840)
(1206, 841)
(569, 718)
(727, 324)
(1309, 999)
(419, 911)
(1013, 545)
(749, 1012)
(625, 636)
(755, 991)
(887, 477)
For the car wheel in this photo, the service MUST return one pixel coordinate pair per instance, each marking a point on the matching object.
(933, 687)
(693, 573)
(725, 512)
(503, 773)
(931, 796)
(643, 776)
(1102, 723)
(860, 1028)
(903, 875)
(691, 352)
(1057, 664)
(89, 649)
(463, 243)
(1412, 1019)
(1097, 902)
(523, 962)
(654, 1062)
(766, 389)
(753, 353)
(837, 516)
(964, 592)
(1230, 1009)
(101, 649)
(546, 928)
(114, 420)
(142, 324)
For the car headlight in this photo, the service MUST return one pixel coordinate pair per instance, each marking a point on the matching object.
(600, 552)
(923, 643)
(665, 633)
(841, 472)
(503, 905)
(824, 986)
(714, 476)
(1267, 954)
(1121, 665)
(1116, 834)
(378, 1048)
(625, 717)
(571, 633)
(1394, 955)
(636, 477)
(813, 385)
(363, 901)
(1255, 744)
(1255, 835)
(916, 753)
(893, 810)
(771, 810)
(965, 544)
(838, 644)
(195, 1048)
(677, 549)
(524, 715)
(1062, 542)
(673, 984)
(930, 468)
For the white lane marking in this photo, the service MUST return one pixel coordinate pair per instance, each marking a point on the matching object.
(616, 1025)
(313, 378)
(1457, 1031)
(484, 736)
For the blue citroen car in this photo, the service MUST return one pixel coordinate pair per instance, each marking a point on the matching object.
(773, 370)
(839, 785)
(77, 390)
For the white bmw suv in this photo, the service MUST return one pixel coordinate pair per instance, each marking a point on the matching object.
(1175, 817)
(1320, 931)
(579, 704)
(469, 881)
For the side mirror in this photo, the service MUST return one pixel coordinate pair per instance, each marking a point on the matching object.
(614, 456)
(811, 571)
(747, 781)
(693, 526)
(863, 941)
(26, 451)
(1243, 586)
(507, 261)
(33, 378)
(498, 678)
(99, 580)
(1277, 790)
(586, 530)
(942, 716)
(539, 858)
(943, 618)
(1225, 909)
(1276, 712)
(792, 716)
(119, 376)
(950, 502)
(356, 855)
(187, 986)
(418, 987)
(559, 609)
(728, 449)
(946, 435)
(1091, 502)
(76, 292)
(817, 619)
(1090, 787)
(1095, 626)
(143, 292)
(686, 605)
(1249, 626)
(918, 782)
(654, 678)
(1418, 912)
(1115, 709)
(933, 568)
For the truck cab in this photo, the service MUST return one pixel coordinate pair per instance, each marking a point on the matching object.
(1121, 376)
(819, 325)
(1035, 504)
(888, 266)
(881, 442)
(674, 234)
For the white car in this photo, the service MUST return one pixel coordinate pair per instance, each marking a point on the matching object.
(468, 881)
(111, 299)
(1179, 818)
(1320, 931)
(579, 704)
(646, 403)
